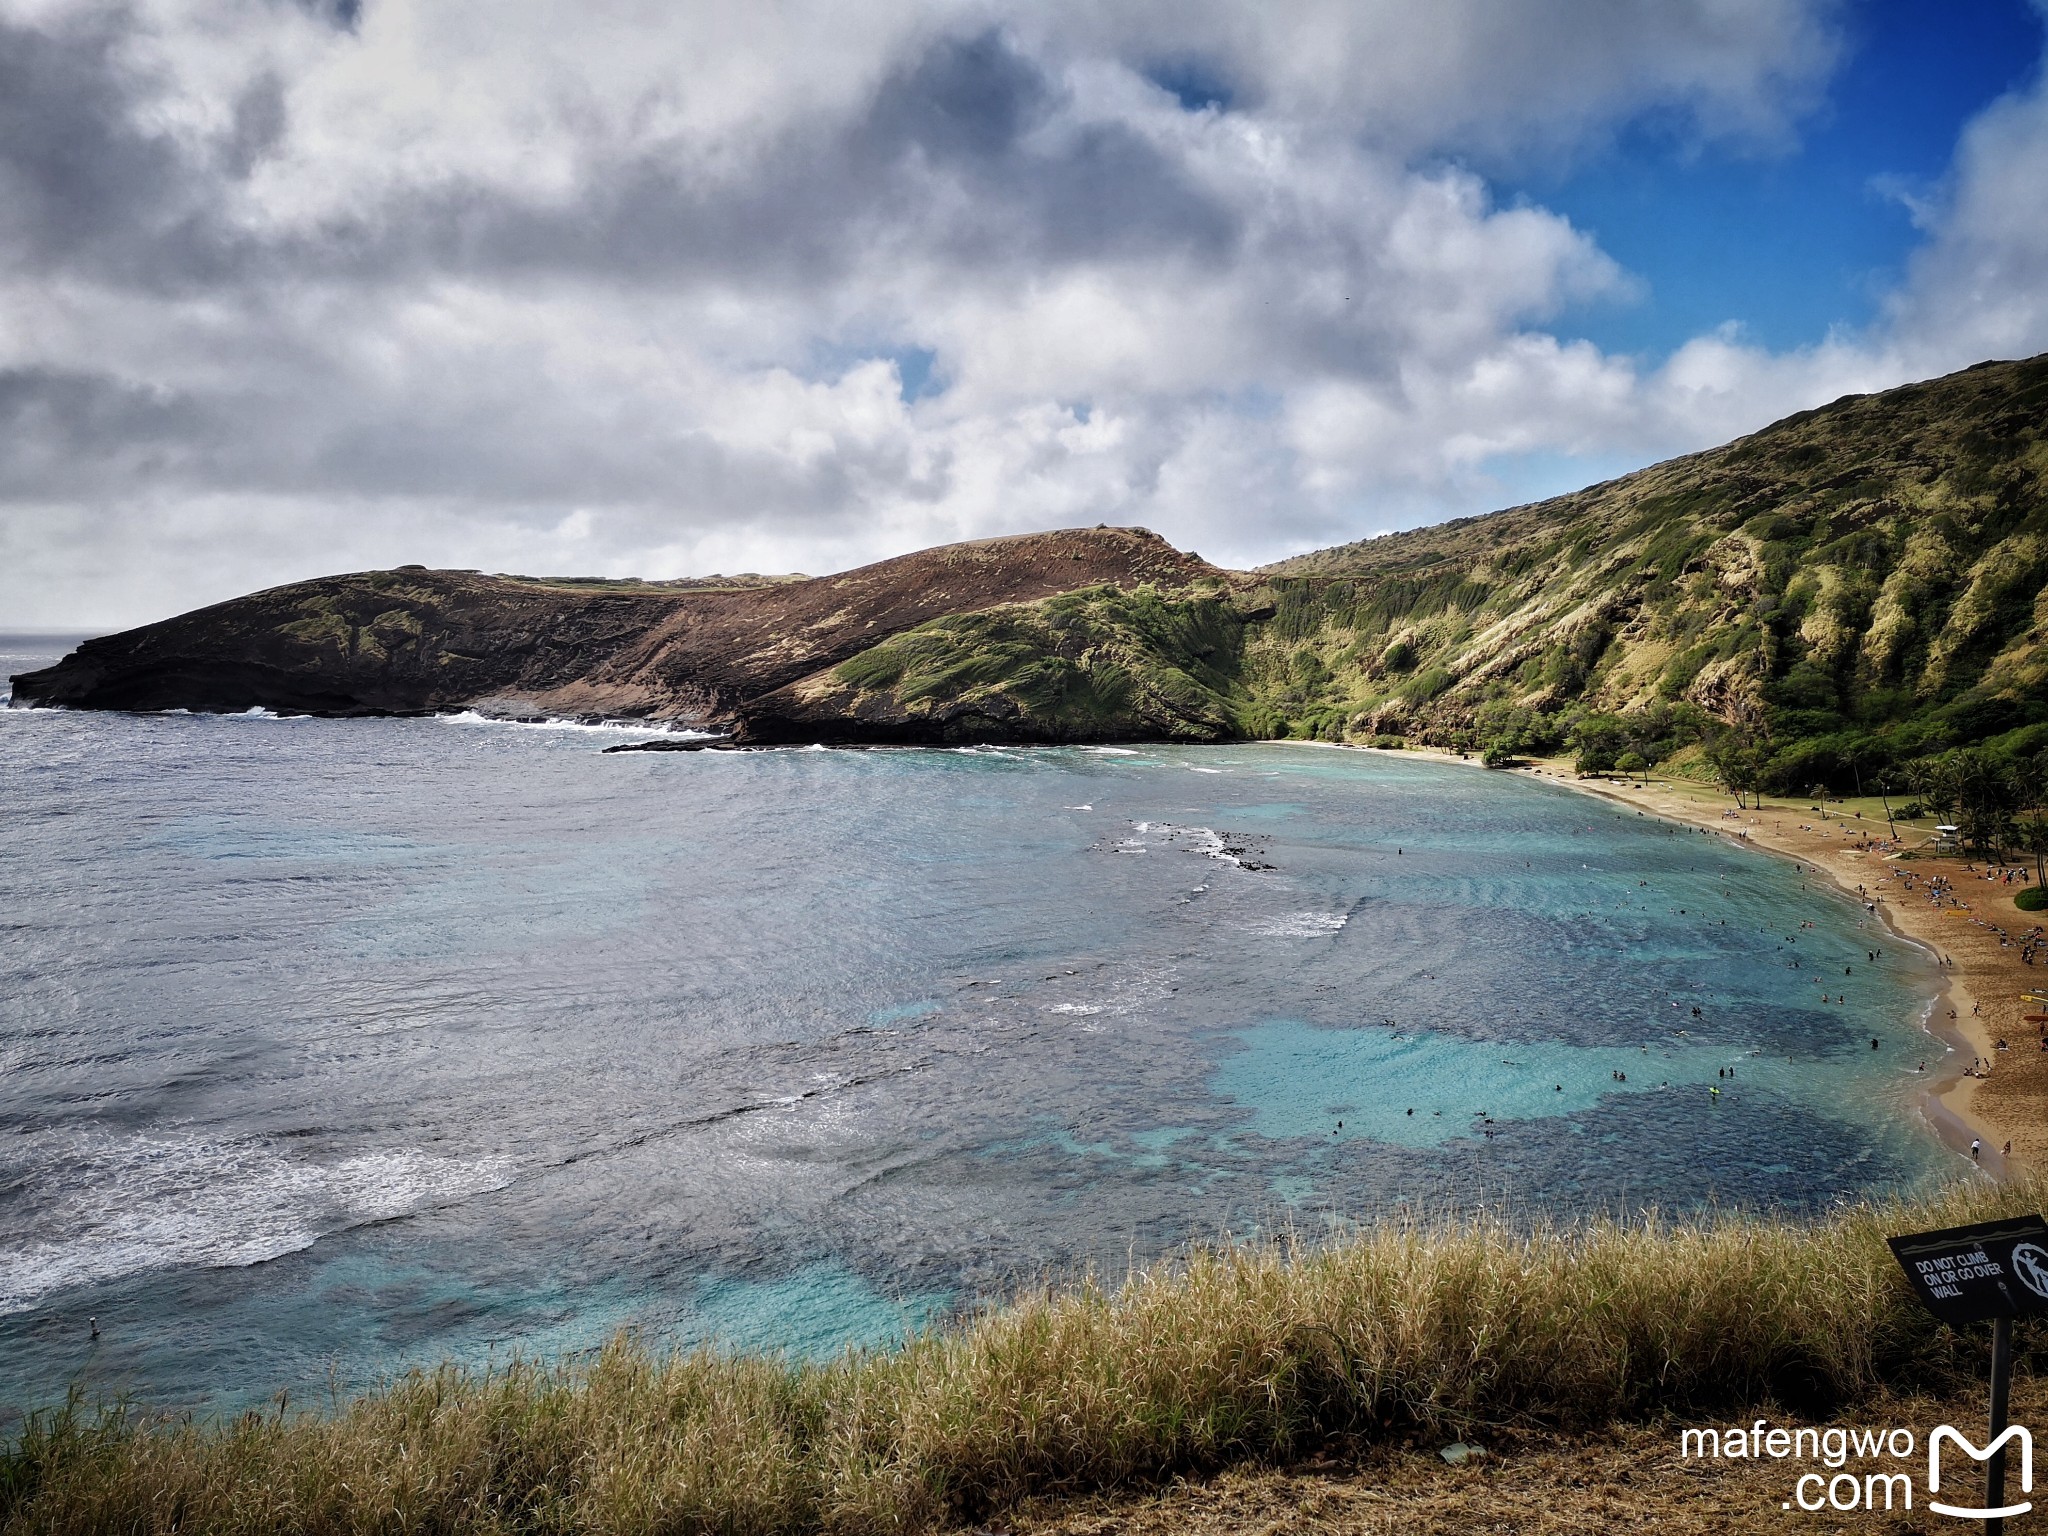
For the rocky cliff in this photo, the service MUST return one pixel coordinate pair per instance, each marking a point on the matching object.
(412, 641)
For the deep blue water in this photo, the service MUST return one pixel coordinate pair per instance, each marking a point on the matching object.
(330, 1047)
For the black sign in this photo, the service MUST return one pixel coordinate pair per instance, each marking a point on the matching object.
(1968, 1274)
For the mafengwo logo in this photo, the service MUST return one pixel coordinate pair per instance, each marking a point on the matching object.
(1873, 1469)
(2014, 1433)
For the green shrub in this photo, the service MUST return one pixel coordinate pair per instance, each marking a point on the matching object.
(2033, 899)
(1425, 686)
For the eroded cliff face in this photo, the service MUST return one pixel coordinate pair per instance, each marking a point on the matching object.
(413, 641)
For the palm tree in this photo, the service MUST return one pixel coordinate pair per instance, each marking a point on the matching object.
(1984, 792)
(2028, 782)
(1931, 781)
(2033, 838)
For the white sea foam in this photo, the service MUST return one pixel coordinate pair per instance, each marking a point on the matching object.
(136, 1204)
(1129, 992)
(1206, 841)
(607, 727)
(1300, 925)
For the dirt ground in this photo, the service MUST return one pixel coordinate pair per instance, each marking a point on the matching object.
(1626, 1479)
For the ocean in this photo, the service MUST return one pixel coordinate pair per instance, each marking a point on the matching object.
(328, 1048)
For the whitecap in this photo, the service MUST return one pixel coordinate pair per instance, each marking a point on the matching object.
(1300, 925)
(137, 1204)
(556, 723)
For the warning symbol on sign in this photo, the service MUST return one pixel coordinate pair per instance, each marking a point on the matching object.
(2030, 1263)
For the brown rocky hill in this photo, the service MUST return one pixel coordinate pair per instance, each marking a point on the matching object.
(412, 640)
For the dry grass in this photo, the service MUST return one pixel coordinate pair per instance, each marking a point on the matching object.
(1249, 1354)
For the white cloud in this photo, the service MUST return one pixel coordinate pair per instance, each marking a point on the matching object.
(547, 288)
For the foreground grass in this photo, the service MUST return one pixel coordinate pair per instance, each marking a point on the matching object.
(1248, 1353)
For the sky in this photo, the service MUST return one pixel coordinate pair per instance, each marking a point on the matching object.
(663, 287)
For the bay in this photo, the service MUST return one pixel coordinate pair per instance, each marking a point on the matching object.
(333, 1047)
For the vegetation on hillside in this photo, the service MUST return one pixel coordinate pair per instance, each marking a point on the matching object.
(1854, 599)
(1100, 663)
(1247, 1353)
(1837, 598)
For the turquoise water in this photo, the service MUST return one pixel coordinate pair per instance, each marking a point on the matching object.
(331, 1047)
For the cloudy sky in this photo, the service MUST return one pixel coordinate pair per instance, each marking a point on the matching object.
(670, 287)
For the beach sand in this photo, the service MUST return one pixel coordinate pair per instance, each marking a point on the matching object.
(1976, 931)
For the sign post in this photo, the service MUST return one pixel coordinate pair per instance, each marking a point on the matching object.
(1993, 1271)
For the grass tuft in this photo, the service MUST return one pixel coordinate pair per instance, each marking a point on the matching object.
(1240, 1353)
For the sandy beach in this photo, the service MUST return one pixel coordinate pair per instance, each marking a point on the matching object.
(1973, 927)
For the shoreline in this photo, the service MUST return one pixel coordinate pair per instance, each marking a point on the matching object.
(1947, 1100)
(1966, 1017)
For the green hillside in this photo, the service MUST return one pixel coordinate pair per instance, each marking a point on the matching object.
(1828, 602)
(1846, 591)
(1100, 664)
